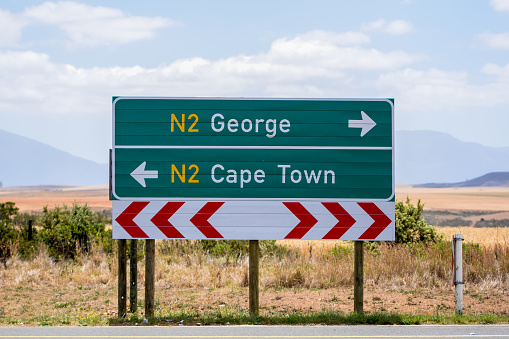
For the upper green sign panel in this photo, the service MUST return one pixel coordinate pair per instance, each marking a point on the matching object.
(252, 122)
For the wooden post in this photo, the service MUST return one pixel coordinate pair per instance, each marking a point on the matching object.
(150, 252)
(358, 268)
(122, 278)
(133, 276)
(30, 230)
(254, 285)
(458, 273)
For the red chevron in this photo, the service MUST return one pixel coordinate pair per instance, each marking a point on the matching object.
(125, 219)
(345, 220)
(201, 219)
(307, 221)
(161, 220)
(381, 221)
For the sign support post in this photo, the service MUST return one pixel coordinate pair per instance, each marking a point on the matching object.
(358, 287)
(133, 276)
(122, 278)
(254, 281)
(149, 277)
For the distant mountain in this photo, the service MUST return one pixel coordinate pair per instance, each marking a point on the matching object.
(495, 179)
(26, 162)
(426, 157)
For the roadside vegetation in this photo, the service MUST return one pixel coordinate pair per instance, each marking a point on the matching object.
(67, 274)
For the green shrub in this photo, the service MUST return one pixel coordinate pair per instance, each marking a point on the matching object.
(411, 226)
(222, 248)
(229, 249)
(8, 238)
(240, 248)
(14, 233)
(9, 235)
(8, 210)
(69, 231)
(341, 251)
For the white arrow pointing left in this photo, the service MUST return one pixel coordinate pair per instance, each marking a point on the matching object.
(366, 124)
(140, 174)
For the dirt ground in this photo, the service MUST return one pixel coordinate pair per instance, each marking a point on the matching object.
(286, 301)
(80, 301)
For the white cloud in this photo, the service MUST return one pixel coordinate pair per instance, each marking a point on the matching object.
(423, 90)
(317, 63)
(330, 54)
(92, 26)
(11, 26)
(395, 27)
(500, 72)
(495, 40)
(347, 38)
(500, 5)
(374, 25)
(435, 90)
(398, 27)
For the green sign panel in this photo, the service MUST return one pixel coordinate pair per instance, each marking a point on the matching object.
(197, 148)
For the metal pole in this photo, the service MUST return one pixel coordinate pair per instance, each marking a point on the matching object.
(254, 253)
(122, 278)
(458, 273)
(30, 230)
(133, 276)
(358, 285)
(150, 252)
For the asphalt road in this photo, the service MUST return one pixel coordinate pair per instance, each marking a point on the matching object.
(420, 331)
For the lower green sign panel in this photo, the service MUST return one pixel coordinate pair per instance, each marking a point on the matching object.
(172, 173)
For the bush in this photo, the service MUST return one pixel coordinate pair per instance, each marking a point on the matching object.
(8, 210)
(240, 248)
(14, 233)
(223, 248)
(69, 231)
(233, 250)
(8, 237)
(411, 226)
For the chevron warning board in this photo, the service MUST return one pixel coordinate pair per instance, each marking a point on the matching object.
(254, 169)
(261, 220)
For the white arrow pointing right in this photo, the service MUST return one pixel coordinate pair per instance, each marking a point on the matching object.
(366, 123)
(140, 174)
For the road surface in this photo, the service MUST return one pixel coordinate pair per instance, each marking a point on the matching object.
(225, 332)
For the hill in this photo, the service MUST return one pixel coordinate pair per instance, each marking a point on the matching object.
(26, 162)
(495, 179)
(427, 156)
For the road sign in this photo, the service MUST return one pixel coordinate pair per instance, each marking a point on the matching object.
(233, 160)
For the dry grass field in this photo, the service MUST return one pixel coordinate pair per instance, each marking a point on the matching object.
(311, 276)
(493, 199)
(32, 199)
(465, 198)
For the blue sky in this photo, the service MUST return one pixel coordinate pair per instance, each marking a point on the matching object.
(446, 63)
